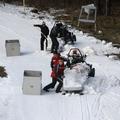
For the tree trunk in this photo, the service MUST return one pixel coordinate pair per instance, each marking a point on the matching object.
(108, 9)
(103, 7)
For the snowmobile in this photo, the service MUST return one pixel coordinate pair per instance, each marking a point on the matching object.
(77, 71)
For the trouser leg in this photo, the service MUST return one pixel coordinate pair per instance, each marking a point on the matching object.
(52, 47)
(59, 85)
(42, 43)
(56, 46)
(54, 83)
(46, 43)
(51, 85)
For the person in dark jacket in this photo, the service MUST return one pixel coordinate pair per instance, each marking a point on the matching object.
(57, 75)
(53, 36)
(44, 34)
(56, 31)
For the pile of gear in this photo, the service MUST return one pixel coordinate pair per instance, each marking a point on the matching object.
(64, 33)
(60, 35)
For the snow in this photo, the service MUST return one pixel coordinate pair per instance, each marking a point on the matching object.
(102, 98)
(76, 77)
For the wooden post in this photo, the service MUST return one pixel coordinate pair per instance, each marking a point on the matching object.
(24, 5)
(106, 8)
(4, 2)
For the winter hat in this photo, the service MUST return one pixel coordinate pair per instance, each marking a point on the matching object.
(56, 52)
(43, 23)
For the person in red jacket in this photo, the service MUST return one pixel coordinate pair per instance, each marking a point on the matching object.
(57, 75)
(55, 58)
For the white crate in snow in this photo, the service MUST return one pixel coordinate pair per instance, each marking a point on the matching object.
(12, 47)
(32, 82)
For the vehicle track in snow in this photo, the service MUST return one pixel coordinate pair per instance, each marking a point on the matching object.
(112, 107)
(89, 106)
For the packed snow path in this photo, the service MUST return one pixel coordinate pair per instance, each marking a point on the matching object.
(101, 103)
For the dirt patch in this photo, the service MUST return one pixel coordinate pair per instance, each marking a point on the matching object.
(3, 72)
(108, 27)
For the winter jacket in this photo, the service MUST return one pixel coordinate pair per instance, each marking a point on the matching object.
(58, 70)
(54, 32)
(44, 29)
(54, 61)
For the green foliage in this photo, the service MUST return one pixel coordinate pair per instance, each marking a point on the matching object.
(3, 72)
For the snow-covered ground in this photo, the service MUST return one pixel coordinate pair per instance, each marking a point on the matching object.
(102, 102)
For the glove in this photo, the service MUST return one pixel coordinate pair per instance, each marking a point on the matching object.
(62, 76)
(35, 25)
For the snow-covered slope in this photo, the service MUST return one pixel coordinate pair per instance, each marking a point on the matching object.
(102, 102)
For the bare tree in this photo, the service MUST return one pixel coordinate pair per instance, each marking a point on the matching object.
(108, 7)
(104, 7)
